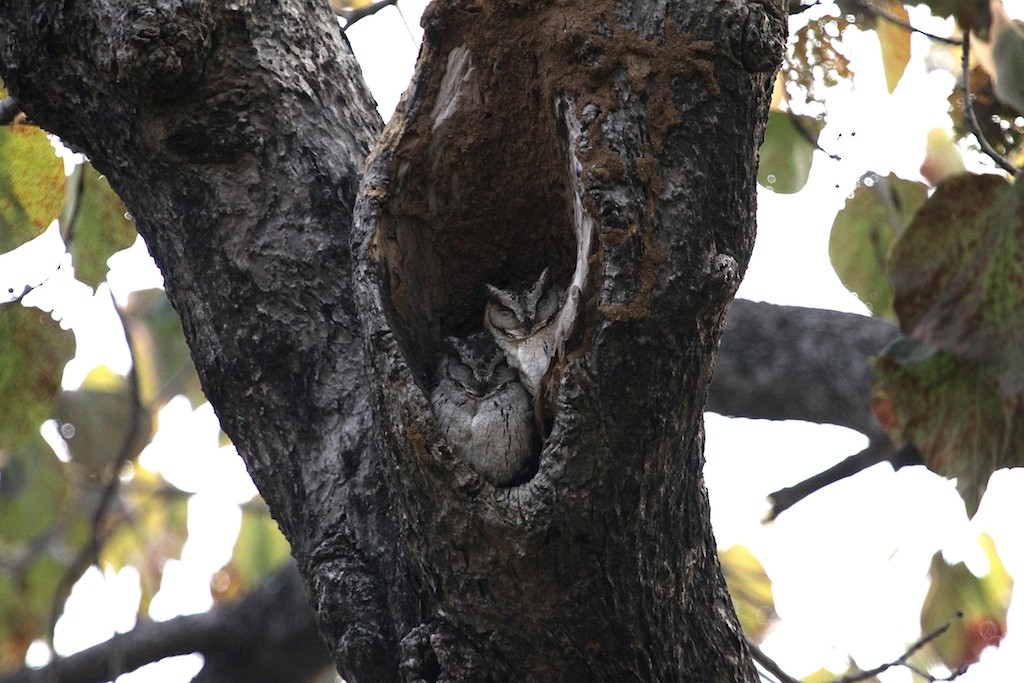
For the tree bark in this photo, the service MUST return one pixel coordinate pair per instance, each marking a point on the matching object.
(236, 134)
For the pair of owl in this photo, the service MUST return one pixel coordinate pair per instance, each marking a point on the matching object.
(487, 382)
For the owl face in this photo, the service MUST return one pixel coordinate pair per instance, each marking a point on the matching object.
(518, 314)
(475, 364)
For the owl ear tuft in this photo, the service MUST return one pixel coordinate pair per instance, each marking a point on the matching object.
(498, 296)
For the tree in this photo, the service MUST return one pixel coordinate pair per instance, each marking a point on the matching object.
(239, 144)
(615, 145)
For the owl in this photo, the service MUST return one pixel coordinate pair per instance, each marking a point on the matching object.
(521, 322)
(484, 412)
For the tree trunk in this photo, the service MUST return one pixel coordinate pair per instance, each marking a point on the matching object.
(614, 143)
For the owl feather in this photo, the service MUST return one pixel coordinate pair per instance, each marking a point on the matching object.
(483, 411)
(521, 322)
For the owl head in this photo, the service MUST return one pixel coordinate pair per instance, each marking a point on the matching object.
(516, 314)
(475, 364)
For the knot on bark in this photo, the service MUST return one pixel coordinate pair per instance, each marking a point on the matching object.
(161, 49)
(434, 652)
(758, 35)
(722, 276)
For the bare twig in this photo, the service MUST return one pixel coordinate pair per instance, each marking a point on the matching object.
(774, 669)
(769, 664)
(876, 452)
(902, 660)
(972, 120)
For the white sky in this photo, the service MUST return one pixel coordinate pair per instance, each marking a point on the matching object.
(849, 564)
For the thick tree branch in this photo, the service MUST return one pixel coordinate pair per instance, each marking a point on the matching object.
(792, 363)
(269, 636)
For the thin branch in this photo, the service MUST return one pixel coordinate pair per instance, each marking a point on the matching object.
(88, 553)
(269, 634)
(69, 217)
(148, 642)
(769, 664)
(877, 451)
(902, 660)
(774, 669)
(972, 121)
(892, 19)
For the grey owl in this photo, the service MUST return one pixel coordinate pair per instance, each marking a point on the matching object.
(521, 322)
(482, 409)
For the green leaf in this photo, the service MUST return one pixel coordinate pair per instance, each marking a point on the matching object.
(31, 184)
(32, 490)
(787, 151)
(26, 594)
(953, 411)
(863, 233)
(957, 272)
(751, 590)
(983, 602)
(894, 41)
(96, 425)
(32, 358)
(164, 363)
(100, 226)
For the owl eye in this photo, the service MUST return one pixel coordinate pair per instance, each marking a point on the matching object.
(547, 307)
(461, 374)
(505, 320)
(501, 374)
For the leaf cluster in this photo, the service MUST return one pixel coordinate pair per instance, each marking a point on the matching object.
(72, 492)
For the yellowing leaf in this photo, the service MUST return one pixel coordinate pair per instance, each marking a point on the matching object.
(32, 358)
(31, 184)
(156, 532)
(343, 5)
(983, 602)
(894, 41)
(787, 151)
(751, 590)
(942, 157)
(863, 232)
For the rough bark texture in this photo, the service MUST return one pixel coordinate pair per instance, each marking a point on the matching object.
(236, 135)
